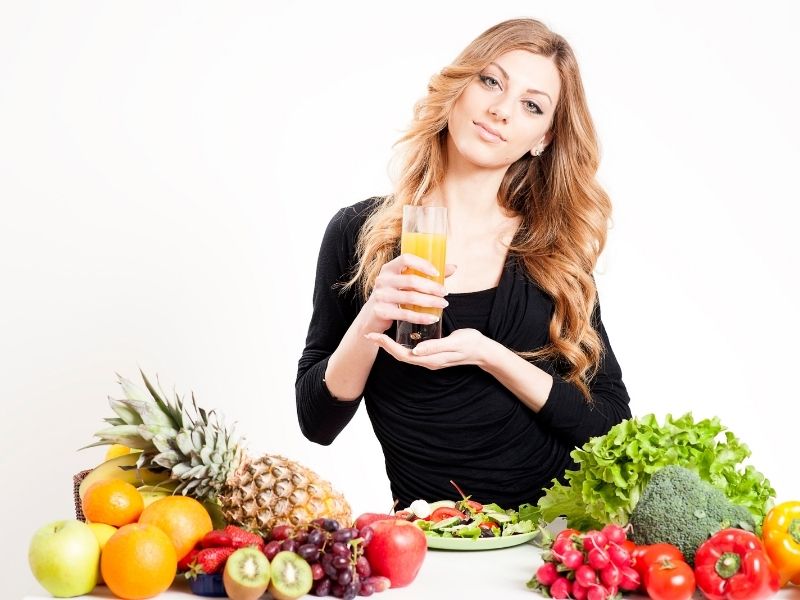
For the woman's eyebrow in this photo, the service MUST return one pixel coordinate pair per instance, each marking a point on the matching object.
(530, 91)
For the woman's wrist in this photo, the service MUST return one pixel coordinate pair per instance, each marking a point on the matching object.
(489, 354)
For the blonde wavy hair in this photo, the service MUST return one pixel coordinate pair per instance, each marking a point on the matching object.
(564, 211)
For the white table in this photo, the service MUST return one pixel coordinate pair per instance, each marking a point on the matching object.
(445, 575)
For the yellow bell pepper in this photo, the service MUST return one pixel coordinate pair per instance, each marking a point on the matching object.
(781, 535)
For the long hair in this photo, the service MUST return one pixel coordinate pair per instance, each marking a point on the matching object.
(564, 211)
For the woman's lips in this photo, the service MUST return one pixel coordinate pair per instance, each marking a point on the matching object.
(487, 133)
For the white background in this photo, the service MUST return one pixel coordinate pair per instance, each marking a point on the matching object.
(167, 170)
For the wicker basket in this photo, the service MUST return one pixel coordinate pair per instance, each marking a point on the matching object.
(76, 484)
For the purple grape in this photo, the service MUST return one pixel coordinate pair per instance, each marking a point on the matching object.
(337, 590)
(330, 570)
(363, 567)
(340, 549)
(351, 590)
(366, 534)
(340, 562)
(317, 572)
(289, 545)
(367, 589)
(330, 525)
(344, 535)
(309, 552)
(322, 587)
(345, 577)
(315, 536)
(272, 548)
(301, 536)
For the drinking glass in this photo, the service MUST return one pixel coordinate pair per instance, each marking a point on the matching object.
(425, 235)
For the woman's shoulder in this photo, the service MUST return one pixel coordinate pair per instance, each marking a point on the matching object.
(349, 219)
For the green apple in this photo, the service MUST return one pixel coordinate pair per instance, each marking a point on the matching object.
(63, 556)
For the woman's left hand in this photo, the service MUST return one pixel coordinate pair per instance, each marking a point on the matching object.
(462, 347)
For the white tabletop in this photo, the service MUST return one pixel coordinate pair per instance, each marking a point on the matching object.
(493, 574)
(444, 574)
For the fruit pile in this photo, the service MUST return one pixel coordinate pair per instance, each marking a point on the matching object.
(172, 474)
(587, 566)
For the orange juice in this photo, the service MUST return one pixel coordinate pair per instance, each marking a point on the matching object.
(432, 247)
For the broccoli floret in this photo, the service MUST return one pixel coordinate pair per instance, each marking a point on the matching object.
(677, 507)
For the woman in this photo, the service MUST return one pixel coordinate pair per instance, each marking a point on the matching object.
(524, 371)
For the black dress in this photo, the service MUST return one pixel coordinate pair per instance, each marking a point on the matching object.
(455, 423)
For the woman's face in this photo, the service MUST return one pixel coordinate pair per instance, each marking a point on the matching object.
(505, 111)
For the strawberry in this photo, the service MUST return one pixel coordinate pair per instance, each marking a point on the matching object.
(185, 563)
(241, 538)
(217, 538)
(209, 561)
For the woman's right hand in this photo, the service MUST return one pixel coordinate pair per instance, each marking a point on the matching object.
(393, 287)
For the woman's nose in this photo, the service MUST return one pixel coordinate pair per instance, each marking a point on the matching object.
(499, 111)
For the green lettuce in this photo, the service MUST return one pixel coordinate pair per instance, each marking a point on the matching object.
(614, 469)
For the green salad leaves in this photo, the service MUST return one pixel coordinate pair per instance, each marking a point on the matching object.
(614, 469)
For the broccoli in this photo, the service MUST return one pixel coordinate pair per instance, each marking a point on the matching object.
(677, 507)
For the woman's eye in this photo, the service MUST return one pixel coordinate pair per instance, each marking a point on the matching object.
(533, 107)
(489, 81)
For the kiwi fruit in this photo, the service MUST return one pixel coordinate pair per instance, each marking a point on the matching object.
(291, 576)
(246, 575)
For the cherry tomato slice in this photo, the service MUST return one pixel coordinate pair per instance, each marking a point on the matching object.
(444, 512)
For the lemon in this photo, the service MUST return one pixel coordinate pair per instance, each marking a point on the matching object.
(116, 450)
(102, 532)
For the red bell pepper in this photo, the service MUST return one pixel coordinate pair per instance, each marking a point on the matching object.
(733, 565)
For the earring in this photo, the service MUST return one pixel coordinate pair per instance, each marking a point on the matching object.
(538, 150)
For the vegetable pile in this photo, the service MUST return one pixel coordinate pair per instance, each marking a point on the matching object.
(615, 468)
(667, 509)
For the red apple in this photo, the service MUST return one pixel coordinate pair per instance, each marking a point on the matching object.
(396, 550)
(369, 518)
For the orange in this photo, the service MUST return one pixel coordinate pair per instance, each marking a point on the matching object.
(183, 519)
(138, 561)
(112, 502)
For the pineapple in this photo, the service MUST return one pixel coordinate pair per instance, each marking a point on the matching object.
(209, 463)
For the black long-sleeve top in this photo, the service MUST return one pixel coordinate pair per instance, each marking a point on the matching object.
(456, 423)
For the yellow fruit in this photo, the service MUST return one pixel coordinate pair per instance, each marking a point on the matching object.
(138, 562)
(183, 519)
(115, 450)
(102, 532)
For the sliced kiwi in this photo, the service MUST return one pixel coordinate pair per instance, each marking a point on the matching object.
(246, 575)
(291, 576)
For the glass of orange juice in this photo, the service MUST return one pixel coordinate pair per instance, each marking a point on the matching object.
(425, 235)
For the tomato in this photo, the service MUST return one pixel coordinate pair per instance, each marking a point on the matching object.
(443, 512)
(670, 580)
(488, 524)
(645, 556)
(566, 533)
(629, 546)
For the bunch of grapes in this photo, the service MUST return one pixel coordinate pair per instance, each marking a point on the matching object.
(335, 554)
(595, 565)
